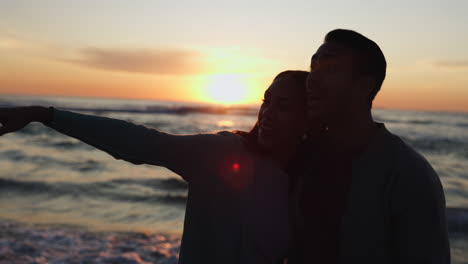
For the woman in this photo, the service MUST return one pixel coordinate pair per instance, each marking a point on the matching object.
(237, 207)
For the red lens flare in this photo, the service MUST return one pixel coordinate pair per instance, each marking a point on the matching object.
(235, 167)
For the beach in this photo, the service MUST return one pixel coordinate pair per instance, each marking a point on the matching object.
(62, 201)
(21, 243)
(61, 244)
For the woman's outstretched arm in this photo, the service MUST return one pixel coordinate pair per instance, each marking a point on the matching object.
(184, 154)
(15, 118)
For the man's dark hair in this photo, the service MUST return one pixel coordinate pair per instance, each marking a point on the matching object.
(370, 59)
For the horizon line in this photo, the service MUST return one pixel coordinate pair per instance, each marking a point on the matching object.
(214, 104)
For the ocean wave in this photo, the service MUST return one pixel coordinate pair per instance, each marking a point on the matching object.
(31, 129)
(440, 145)
(462, 124)
(386, 120)
(457, 219)
(412, 122)
(167, 184)
(157, 125)
(46, 161)
(421, 122)
(109, 190)
(159, 109)
(14, 155)
(440, 121)
(61, 144)
(65, 145)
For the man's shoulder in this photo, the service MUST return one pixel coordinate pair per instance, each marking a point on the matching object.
(412, 174)
(409, 163)
(407, 156)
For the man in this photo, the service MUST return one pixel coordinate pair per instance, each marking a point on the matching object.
(367, 197)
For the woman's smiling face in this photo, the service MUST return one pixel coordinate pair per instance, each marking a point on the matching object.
(282, 116)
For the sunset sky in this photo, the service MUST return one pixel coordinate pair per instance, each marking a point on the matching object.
(225, 51)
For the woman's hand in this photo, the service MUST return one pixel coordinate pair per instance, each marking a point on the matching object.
(14, 119)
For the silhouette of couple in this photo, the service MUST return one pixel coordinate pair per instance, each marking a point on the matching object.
(315, 181)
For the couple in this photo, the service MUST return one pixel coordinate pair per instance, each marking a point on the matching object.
(315, 181)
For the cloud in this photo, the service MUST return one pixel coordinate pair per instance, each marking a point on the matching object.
(151, 61)
(12, 42)
(20, 45)
(8, 43)
(455, 65)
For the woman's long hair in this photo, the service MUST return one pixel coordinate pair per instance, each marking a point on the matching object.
(298, 79)
(296, 164)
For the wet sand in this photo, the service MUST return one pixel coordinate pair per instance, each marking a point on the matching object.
(64, 244)
(22, 243)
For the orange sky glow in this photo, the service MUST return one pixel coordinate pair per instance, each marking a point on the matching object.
(224, 54)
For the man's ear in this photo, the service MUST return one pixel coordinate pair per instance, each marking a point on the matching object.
(367, 86)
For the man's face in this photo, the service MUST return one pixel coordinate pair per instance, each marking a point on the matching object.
(329, 85)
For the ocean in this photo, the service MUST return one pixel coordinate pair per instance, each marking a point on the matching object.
(49, 178)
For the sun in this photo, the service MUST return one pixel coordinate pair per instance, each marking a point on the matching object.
(227, 89)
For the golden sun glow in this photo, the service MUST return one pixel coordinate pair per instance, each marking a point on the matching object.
(227, 89)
